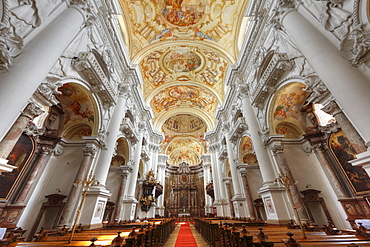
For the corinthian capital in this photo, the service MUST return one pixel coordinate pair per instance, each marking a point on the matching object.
(124, 90)
(243, 90)
(276, 148)
(32, 110)
(90, 151)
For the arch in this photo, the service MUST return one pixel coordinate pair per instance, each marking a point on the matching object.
(284, 107)
(80, 108)
(163, 116)
(187, 83)
(246, 151)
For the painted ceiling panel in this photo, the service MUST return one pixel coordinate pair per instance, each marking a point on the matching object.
(183, 48)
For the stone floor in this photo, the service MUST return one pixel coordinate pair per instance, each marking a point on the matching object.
(198, 237)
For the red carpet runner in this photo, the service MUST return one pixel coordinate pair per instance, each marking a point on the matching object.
(185, 237)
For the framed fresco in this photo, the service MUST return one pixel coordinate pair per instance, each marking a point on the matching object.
(19, 157)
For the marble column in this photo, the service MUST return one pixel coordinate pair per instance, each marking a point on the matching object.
(28, 216)
(10, 139)
(18, 85)
(353, 136)
(130, 201)
(121, 194)
(278, 152)
(76, 190)
(342, 79)
(44, 156)
(207, 179)
(248, 195)
(105, 157)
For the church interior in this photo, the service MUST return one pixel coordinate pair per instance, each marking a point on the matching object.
(116, 111)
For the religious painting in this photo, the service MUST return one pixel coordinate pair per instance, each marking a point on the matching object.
(290, 102)
(183, 95)
(184, 123)
(117, 161)
(287, 131)
(183, 92)
(246, 151)
(250, 159)
(184, 178)
(184, 142)
(80, 132)
(184, 197)
(182, 61)
(183, 154)
(77, 106)
(182, 13)
(344, 152)
(19, 157)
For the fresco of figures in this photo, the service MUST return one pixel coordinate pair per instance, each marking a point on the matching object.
(182, 13)
(182, 61)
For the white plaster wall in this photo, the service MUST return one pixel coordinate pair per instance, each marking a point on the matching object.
(65, 172)
(255, 182)
(113, 184)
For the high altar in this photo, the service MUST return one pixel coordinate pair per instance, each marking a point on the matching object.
(186, 193)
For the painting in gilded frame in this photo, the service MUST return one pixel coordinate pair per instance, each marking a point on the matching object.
(19, 157)
(344, 152)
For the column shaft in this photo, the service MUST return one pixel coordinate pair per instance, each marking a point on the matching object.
(11, 138)
(76, 190)
(248, 196)
(105, 157)
(18, 85)
(41, 160)
(234, 172)
(121, 194)
(342, 79)
(263, 157)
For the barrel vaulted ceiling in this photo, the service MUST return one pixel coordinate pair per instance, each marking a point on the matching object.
(183, 49)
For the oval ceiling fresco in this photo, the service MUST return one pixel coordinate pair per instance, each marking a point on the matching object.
(182, 13)
(182, 61)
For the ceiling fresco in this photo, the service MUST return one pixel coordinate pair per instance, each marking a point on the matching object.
(183, 49)
(184, 95)
(287, 115)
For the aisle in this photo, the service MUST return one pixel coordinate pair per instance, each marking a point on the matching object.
(200, 242)
(185, 236)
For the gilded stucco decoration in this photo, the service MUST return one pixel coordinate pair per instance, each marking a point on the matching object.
(184, 95)
(183, 49)
(185, 64)
(152, 21)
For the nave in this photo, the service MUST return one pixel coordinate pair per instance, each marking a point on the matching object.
(199, 232)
